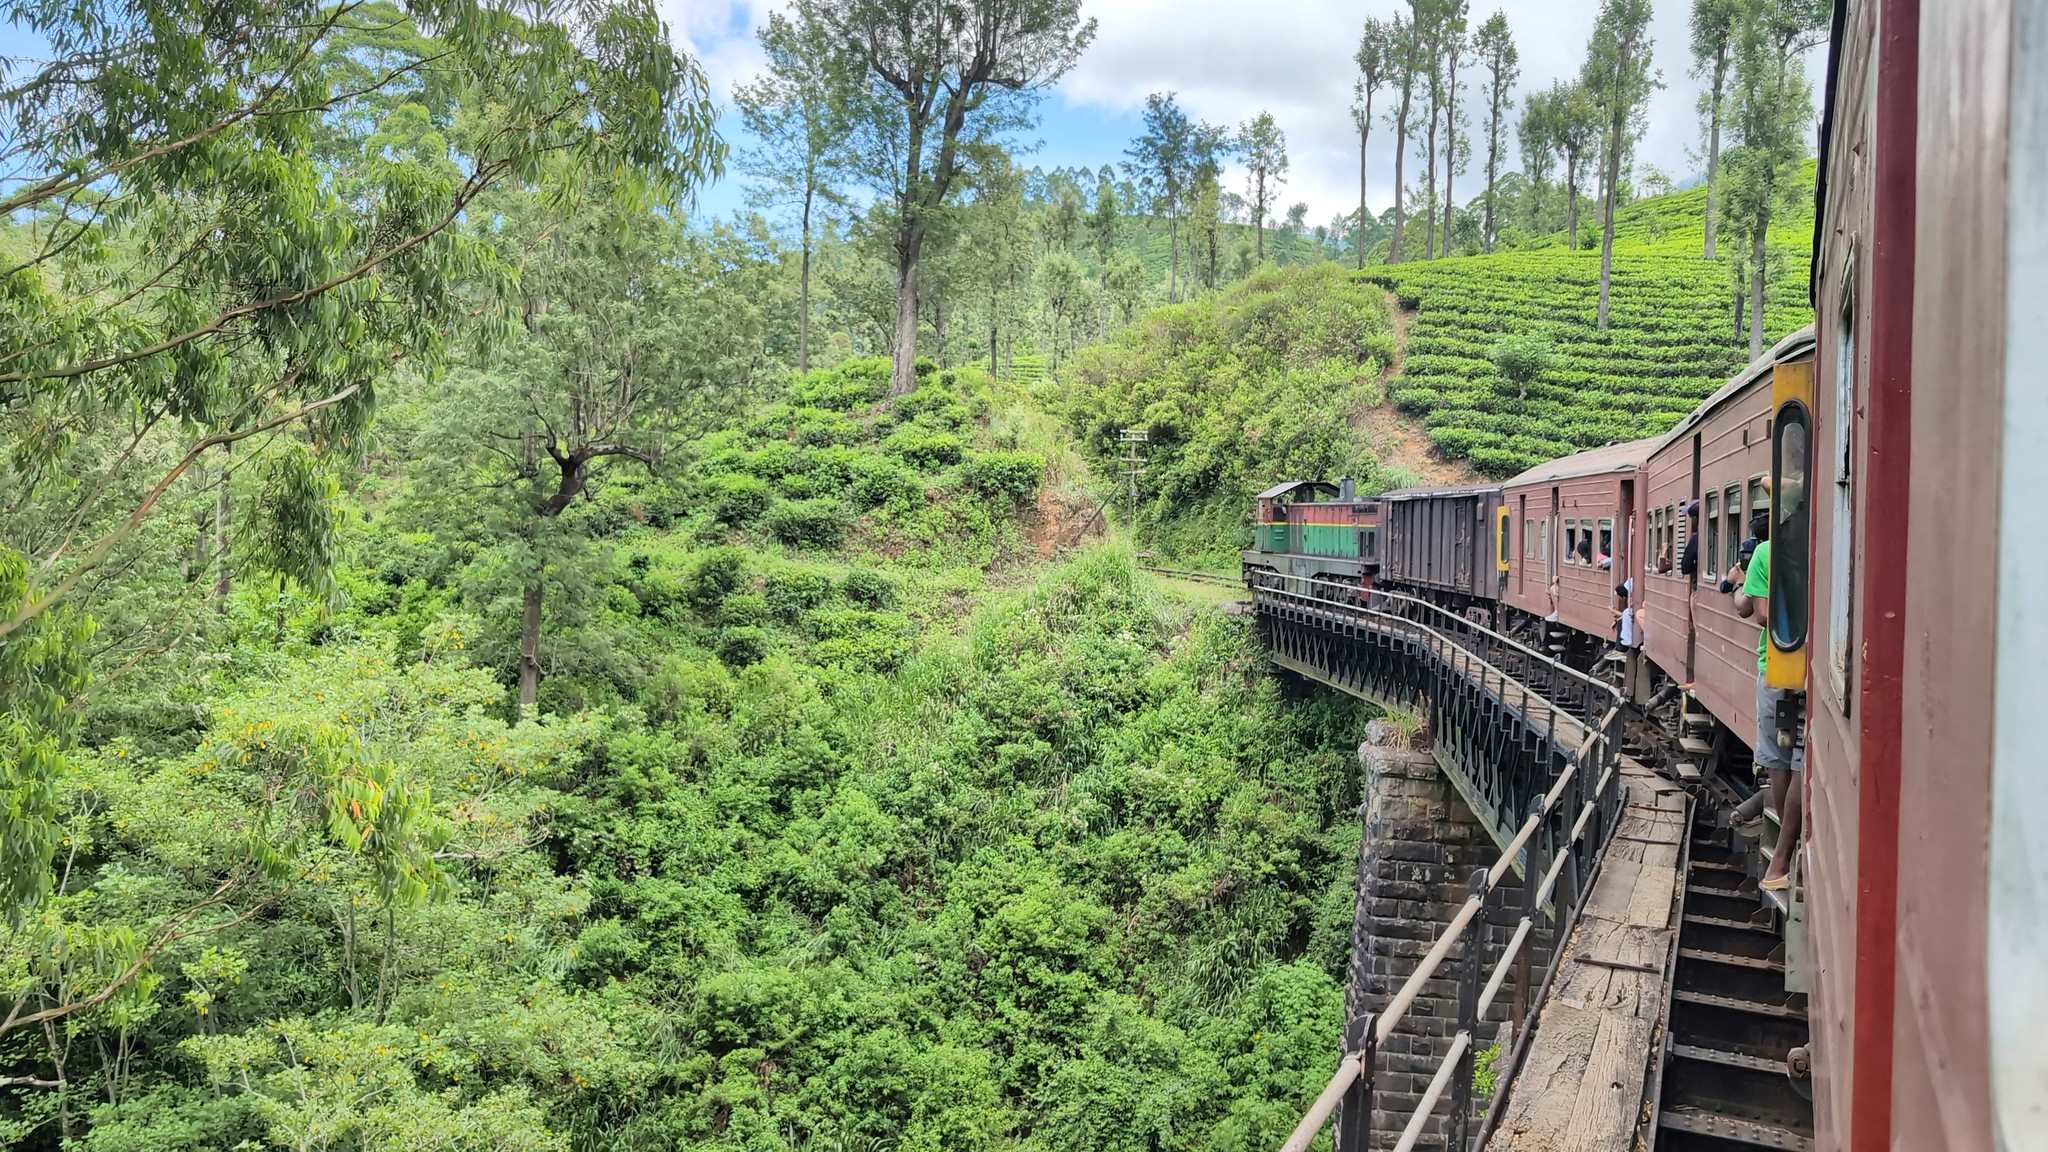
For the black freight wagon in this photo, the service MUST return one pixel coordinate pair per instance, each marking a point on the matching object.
(1444, 544)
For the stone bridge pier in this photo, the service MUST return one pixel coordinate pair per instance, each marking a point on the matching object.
(1421, 845)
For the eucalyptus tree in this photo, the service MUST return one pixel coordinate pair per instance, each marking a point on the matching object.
(237, 230)
(1773, 107)
(996, 233)
(1619, 78)
(1574, 130)
(634, 331)
(1162, 159)
(1104, 215)
(1402, 61)
(1375, 62)
(1455, 45)
(1264, 148)
(1494, 44)
(797, 114)
(938, 81)
(1536, 133)
(1713, 38)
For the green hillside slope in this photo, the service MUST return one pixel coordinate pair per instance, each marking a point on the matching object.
(1672, 340)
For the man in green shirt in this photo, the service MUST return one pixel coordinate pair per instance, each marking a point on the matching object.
(1752, 600)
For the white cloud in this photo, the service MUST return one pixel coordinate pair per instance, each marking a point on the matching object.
(1228, 61)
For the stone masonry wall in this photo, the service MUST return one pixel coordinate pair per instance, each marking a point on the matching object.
(1420, 846)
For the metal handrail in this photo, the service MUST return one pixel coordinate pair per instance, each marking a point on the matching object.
(1600, 739)
(1265, 581)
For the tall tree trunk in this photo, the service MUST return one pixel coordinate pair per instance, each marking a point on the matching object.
(1172, 256)
(1450, 153)
(1259, 217)
(803, 313)
(224, 576)
(993, 327)
(1429, 205)
(1364, 137)
(1490, 236)
(529, 649)
(1756, 286)
(1571, 211)
(1714, 147)
(1617, 132)
(903, 349)
(1400, 168)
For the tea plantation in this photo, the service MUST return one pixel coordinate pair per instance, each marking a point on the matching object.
(1672, 339)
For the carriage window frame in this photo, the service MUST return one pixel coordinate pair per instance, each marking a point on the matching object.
(1840, 639)
(1734, 525)
(1543, 540)
(1528, 538)
(1603, 540)
(1713, 521)
(1571, 541)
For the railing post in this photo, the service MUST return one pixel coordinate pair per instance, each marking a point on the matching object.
(1468, 1018)
(1354, 1115)
(1532, 879)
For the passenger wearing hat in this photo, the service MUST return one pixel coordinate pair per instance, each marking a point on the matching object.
(1690, 561)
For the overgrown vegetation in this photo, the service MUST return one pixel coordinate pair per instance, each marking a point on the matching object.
(1238, 390)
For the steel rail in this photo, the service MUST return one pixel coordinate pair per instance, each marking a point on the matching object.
(1597, 741)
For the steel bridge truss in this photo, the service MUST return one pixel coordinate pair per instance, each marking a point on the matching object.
(1532, 745)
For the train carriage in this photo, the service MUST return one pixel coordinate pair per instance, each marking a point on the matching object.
(1573, 538)
(1446, 544)
(1720, 456)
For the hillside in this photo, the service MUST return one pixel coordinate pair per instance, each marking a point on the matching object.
(1671, 342)
(1255, 382)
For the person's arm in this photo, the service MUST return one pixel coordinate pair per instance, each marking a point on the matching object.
(1756, 585)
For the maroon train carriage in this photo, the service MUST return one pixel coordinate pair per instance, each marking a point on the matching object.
(1719, 455)
(1575, 538)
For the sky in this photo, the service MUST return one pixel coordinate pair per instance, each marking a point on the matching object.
(1228, 60)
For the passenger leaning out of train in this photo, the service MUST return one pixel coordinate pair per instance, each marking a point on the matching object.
(1751, 587)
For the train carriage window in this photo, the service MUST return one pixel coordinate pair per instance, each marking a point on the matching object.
(1528, 539)
(1713, 523)
(1790, 523)
(1571, 541)
(1605, 545)
(1842, 513)
(1543, 540)
(1732, 526)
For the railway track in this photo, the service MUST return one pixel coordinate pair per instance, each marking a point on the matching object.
(1197, 577)
(1725, 1083)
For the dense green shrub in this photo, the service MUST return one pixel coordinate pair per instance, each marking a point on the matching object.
(1521, 359)
(816, 523)
(1004, 475)
(1236, 390)
(844, 386)
(739, 647)
(924, 447)
(715, 575)
(868, 587)
(792, 592)
(883, 480)
(737, 498)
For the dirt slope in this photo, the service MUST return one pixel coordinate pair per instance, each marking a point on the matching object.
(1399, 440)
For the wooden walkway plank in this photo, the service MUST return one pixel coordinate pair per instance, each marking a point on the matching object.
(1580, 1088)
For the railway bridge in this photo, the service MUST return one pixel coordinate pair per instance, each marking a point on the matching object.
(1518, 896)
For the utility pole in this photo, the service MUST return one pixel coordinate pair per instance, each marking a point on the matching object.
(1134, 442)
